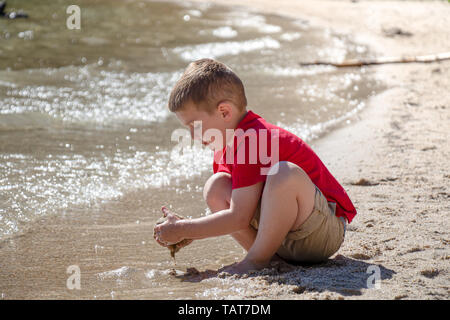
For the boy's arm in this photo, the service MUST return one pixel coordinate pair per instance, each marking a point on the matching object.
(242, 207)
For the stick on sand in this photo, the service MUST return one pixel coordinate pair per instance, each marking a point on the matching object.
(383, 60)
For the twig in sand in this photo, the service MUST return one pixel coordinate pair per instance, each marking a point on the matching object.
(382, 60)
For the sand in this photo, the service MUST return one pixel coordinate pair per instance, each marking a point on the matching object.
(398, 144)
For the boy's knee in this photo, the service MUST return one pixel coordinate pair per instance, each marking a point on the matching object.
(217, 190)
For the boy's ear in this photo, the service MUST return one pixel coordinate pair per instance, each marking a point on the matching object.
(225, 110)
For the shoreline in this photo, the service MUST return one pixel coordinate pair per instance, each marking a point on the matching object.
(398, 143)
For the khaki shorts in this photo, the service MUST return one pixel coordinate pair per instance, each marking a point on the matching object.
(318, 238)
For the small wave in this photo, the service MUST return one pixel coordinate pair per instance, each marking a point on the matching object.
(90, 96)
(290, 36)
(121, 273)
(250, 20)
(225, 32)
(98, 178)
(124, 276)
(297, 71)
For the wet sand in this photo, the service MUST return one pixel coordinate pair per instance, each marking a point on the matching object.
(399, 144)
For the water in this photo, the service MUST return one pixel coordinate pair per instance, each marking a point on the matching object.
(85, 131)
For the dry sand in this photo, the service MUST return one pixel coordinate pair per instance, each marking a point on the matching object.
(399, 144)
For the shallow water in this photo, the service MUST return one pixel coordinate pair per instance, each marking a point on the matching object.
(85, 151)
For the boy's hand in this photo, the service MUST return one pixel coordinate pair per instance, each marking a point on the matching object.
(168, 232)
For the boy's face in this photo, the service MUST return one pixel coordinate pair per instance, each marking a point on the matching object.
(213, 126)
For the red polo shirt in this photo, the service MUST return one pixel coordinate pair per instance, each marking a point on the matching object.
(254, 141)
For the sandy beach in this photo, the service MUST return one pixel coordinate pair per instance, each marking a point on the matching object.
(392, 158)
(398, 145)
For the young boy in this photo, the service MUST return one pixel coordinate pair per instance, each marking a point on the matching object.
(289, 207)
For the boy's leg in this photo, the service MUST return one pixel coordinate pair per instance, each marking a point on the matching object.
(287, 201)
(217, 194)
